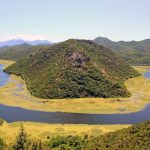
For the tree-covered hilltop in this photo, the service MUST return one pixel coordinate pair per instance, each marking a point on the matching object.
(133, 52)
(72, 69)
(18, 52)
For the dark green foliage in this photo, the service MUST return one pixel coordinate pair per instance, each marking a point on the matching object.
(21, 140)
(37, 145)
(1, 121)
(67, 143)
(134, 52)
(24, 143)
(136, 137)
(72, 69)
(1, 144)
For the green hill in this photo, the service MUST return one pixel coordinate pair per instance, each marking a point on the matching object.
(133, 138)
(14, 52)
(75, 68)
(17, 52)
(133, 52)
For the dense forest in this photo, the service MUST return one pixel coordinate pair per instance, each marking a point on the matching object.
(133, 52)
(135, 137)
(72, 69)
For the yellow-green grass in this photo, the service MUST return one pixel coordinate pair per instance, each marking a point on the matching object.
(6, 62)
(11, 94)
(8, 131)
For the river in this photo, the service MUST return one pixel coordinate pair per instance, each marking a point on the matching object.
(13, 114)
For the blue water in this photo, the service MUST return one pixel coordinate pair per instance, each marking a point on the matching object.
(4, 77)
(13, 114)
(147, 75)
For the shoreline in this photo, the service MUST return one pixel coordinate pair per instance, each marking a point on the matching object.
(15, 93)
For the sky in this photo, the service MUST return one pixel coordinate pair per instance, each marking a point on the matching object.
(59, 20)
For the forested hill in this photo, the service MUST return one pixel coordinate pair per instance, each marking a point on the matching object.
(133, 52)
(136, 137)
(18, 52)
(74, 68)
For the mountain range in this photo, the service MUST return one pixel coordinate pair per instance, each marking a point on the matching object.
(14, 42)
(133, 52)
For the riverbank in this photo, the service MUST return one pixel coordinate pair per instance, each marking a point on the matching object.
(6, 62)
(15, 93)
(43, 131)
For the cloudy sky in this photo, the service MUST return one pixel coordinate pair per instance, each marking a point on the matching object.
(58, 20)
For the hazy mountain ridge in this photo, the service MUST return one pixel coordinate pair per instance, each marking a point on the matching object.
(14, 42)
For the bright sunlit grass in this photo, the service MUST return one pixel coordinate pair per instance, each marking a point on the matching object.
(42, 131)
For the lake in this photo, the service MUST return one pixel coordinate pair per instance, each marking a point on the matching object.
(3, 76)
(13, 114)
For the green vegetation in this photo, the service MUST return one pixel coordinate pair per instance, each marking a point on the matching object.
(132, 138)
(135, 137)
(1, 144)
(1, 121)
(67, 143)
(73, 69)
(18, 52)
(11, 95)
(134, 52)
(21, 140)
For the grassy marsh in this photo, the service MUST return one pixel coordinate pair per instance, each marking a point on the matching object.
(43, 131)
(15, 93)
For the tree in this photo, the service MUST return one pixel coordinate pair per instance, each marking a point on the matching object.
(21, 140)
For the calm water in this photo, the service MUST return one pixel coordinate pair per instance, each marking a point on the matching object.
(12, 114)
(147, 75)
(3, 76)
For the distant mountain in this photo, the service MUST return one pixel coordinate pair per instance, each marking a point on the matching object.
(72, 69)
(20, 41)
(18, 52)
(133, 52)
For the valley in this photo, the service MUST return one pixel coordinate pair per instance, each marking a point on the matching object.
(74, 75)
(15, 93)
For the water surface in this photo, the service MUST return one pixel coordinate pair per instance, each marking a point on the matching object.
(147, 75)
(4, 77)
(13, 114)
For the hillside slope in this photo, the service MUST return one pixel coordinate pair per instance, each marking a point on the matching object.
(133, 138)
(133, 52)
(75, 68)
(18, 52)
